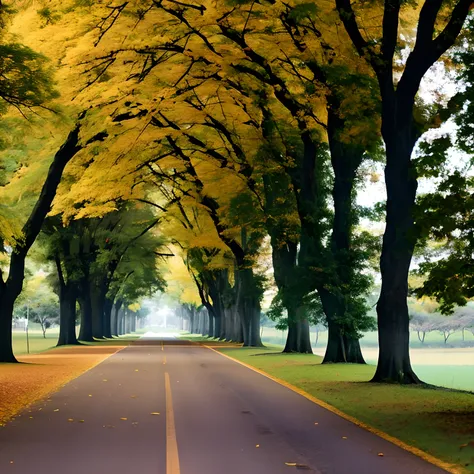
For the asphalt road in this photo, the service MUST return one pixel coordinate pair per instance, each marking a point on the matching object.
(166, 407)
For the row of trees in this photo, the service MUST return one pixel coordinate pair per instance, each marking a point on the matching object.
(242, 123)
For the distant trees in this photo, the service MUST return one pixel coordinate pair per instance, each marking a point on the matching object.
(425, 323)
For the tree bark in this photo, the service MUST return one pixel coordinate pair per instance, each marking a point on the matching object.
(6, 320)
(85, 333)
(397, 250)
(116, 318)
(108, 304)
(67, 315)
(249, 308)
(342, 347)
(298, 339)
(121, 321)
(97, 301)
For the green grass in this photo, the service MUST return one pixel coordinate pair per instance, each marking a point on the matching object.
(37, 342)
(40, 344)
(459, 377)
(370, 339)
(437, 421)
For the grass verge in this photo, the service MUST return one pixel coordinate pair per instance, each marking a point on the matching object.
(437, 421)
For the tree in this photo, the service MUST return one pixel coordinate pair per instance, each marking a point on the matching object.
(10, 287)
(39, 302)
(437, 30)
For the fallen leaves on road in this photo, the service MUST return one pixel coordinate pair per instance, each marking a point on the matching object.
(124, 419)
(57, 409)
(344, 437)
(380, 454)
(257, 445)
(316, 423)
(70, 420)
(41, 374)
(293, 464)
(154, 413)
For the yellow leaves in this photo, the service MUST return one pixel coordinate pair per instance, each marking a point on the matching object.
(380, 454)
(154, 413)
(57, 409)
(124, 419)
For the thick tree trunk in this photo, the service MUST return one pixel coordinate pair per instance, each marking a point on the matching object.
(116, 318)
(85, 333)
(249, 308)
(206, 322)
(97, 302)
(341, 347)
(211, 323)
(121, 321)
(397, 250)
(67, 315)
(217, 327)
(6, 318)
(108, 304)
(298, 339)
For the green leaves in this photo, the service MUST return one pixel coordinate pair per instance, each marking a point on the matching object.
(25, 79)
(303, 10)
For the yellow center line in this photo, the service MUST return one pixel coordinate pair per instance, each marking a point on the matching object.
(172, 458)
(164, 360)
(162, 346)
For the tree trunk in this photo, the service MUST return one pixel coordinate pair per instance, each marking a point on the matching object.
(298, 339)
(108, 304)
(67, 315)
(126, 319)
(397, 250)
(6, 319)
(342, 347)
(97, 302)
(211, 323)
(116, 318)
(121, 321)
(249, 308)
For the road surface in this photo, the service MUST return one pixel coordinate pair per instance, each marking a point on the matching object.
(164, 406)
